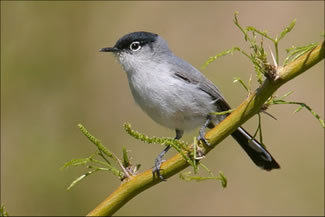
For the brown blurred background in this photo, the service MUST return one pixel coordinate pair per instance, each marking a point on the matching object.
(53, 77)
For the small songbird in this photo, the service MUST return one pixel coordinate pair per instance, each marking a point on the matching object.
(175, 94)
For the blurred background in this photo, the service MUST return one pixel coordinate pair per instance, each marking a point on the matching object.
(53, 77)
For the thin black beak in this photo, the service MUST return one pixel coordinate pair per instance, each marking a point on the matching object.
(109, 49)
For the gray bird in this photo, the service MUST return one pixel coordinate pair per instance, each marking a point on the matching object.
(175, 94)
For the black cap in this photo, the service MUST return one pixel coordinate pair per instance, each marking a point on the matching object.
(125, 41)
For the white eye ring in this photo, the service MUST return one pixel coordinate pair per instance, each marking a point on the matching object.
(135, 46)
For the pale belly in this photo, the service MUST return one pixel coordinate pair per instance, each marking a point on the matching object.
(171, 102)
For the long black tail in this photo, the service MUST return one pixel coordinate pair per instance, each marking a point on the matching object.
(255, 150)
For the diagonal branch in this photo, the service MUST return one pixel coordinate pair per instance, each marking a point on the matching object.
(247, 109)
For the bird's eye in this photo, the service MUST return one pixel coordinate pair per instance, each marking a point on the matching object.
(135, 46)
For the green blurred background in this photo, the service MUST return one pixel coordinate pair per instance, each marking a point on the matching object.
(53, 77)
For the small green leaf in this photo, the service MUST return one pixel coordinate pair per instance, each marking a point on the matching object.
(186, 176)
(287, 29)
(178, 145)
(296, 52)
(95, 141)
(76, 162)
(84, 176)
(237, 79)
(298, 109)
(286, 95)
(126, 161)
(239, 26)
(264, 34)
(221, 54)
(301, 106)
(223, 179)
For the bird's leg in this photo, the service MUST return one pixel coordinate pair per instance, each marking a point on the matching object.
(159, 160)
(208, 124)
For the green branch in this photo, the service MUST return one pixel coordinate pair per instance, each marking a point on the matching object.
(249, 107)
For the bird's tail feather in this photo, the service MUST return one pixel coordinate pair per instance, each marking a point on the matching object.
(255, 150)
